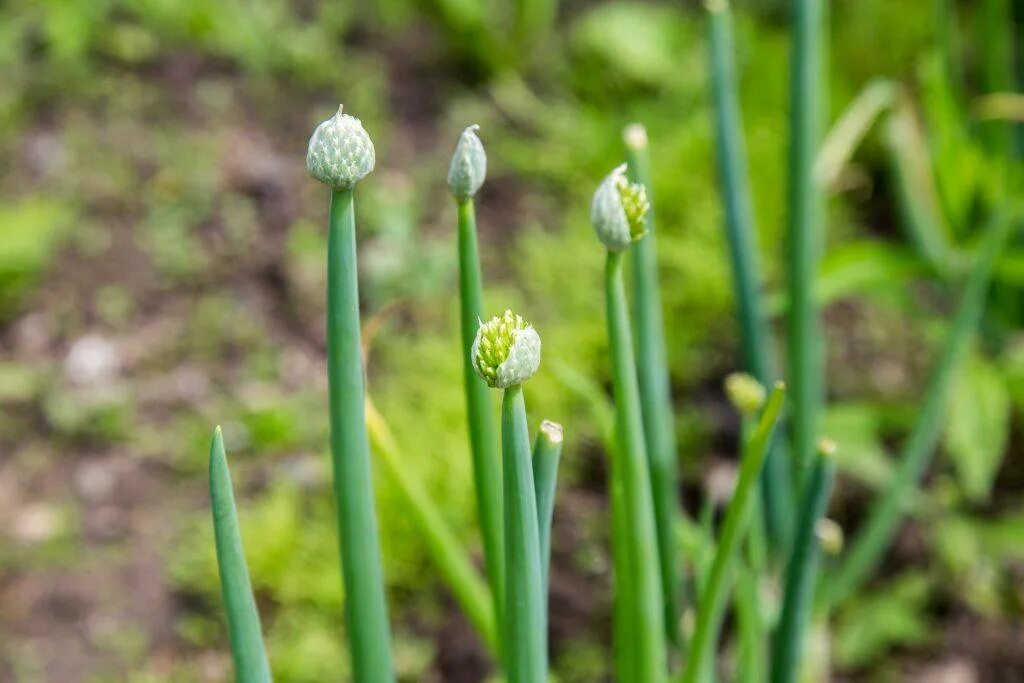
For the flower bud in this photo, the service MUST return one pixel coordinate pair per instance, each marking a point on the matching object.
(340, 152)
(619, 211)
(744, 392)
(830, 536)
(826, 447)
(506, 351)
(469, 165)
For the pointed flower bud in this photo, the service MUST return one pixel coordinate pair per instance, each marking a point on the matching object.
(506, 351)
(744, 392)
(619, 211)
(469, 165)
(340, 152)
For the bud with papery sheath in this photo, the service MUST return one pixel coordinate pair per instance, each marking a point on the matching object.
(469, 165)
(340, 152)
(619, 211)
(506, 351)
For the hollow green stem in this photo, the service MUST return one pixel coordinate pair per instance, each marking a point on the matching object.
(524, 630)
(244, 632)
(801, 574)
(483, 435)
(643, 601)
(445, 550)
(655, 393)
(868, 547)
(547, 451)
(366, 614)
(806, 228)
(711, 606)
(751, 650)
(741, 231)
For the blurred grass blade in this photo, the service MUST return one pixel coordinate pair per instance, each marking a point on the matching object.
(918, 196)
(250, 657)
(713, 599)
(851, 129)
(806, 229)
(655, 393)
(447, 553)
(995, 40)
(742, 239)
(483, 434)
(877, 531)
(547, 452)
(752, 636)
(524, 630)
(643, 602)
(802, 571)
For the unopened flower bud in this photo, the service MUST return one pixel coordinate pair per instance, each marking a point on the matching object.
(830, 536)
(619, 211)
(506, 351)
(744, 392)
(826, 447)
(469, 165)
(340, 152)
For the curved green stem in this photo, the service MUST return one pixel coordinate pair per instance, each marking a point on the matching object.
(801, 574)
(366, 614)
(655, 393)
(250, 657)
(711, 607)
(524, 631)
(643, 603)
(483, 436)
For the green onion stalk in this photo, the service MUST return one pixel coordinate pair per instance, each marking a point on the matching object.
(740, 228)
(868, 545)
(547, 452)
(465, 177)
(714, 597)
(618, 213)
(340, 155)
(244, 633)
(806, 228)
(506, 352)
(802, 570)
(655, 392)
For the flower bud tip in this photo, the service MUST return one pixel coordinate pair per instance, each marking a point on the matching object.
(552, 430)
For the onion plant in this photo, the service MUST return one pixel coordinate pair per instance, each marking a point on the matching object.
(618, 213)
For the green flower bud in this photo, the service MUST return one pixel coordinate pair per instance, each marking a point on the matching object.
(469, 165)
(340, 152)
(619, 211)
(506, 351)
(744, 392)
(826, 447)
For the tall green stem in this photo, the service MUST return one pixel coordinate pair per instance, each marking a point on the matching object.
(741, 231)
(655, 392)
(806, 227)
(644, 605)
(524, 631)
(547, 452)
(250, 657)
(366, 614)
(483, 436)
(711, 607)
(801, 574)
(868, 546)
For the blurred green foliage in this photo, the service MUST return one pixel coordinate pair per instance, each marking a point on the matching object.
(155, 194)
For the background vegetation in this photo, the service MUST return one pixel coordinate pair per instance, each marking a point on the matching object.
(162, 269)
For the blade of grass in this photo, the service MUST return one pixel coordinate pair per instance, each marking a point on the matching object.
(711, 606)
(447, 553)
(483, 435)
(366, 613)
(244, 632)
(655, 393)
(524, 630)
(851, 129)
(802, 571)
(742, 238)
(995, 40)
(643, 605)
(806, 229)
(878, 530)
(752, 652)
(547, 452)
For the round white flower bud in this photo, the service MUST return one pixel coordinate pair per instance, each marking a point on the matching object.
(340, 152)
(619, 211)
(506, 351)
(469, 165)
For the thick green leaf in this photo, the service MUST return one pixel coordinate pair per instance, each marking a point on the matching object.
(883, 618)
(977, 428)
